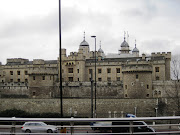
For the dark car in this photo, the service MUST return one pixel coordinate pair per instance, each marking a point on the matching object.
(125, 127)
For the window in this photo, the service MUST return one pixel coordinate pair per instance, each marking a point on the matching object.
(99, 79)
(137, 76)
(43, 77)
(125, 86)
(70, 79)
(34, 93)
(117, 70)
(34, 78)
(11, 80)
(78, 79)
(11, 72)
(26, 72)
(157, 77)
(147, 86)
(90, 71)
(77, 70)
(157, 69)
(99, 71)
(108, 70)
(118, 78)
(26, 80)
(109, 79)
(18, 72)
(18, 80)
(70, 70)
(147, 95)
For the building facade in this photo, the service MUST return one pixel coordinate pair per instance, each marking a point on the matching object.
(126, 73)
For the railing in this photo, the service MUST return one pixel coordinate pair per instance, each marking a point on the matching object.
(86, 126)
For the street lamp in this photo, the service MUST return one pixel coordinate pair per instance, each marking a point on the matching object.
(60, 66)
(95, 76)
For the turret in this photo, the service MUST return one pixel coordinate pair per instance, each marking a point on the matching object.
(85, 47)
(135, 51)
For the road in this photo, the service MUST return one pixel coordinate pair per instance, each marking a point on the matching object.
(89, 130)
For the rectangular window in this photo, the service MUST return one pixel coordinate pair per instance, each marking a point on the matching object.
(109, 79)
(11, 80)
(70, 70)
(11, 72)
(117, 70)
(26, 72)
(137, 76)
(99, 79)
(78, 79)
(108, 70)
(157, 69)
(157, 77)
(34, 78)
(99, 71)
(70, 79)
(125, 86)
(77, 70)
(26, 80)
(18, 73)
(118, 78)
(147, 86)
(90, 71)
(43, 77)
(34, 93)
(19, 80)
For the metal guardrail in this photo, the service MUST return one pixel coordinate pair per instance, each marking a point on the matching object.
(82, 126)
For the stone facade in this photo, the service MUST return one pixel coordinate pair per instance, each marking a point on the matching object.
(125, 76)
(82, 107)
(135, 73)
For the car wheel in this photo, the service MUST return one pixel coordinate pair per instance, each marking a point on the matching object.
(179, 126)
(28, 131)
(49, 131)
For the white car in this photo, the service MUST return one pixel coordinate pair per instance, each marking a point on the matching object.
(38, 127)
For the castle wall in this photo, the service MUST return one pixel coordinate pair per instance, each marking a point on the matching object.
(82, 107)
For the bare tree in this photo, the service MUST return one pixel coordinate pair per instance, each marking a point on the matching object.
(175, 75)
(175, 67)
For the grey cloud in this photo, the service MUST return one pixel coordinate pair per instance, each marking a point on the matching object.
(32, 25)
(157, 45)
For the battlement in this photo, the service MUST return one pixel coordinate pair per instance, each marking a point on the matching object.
(38, 62)
(167, 55)
(17, 60)
(63, 51)
(138, 68)
(73, 53)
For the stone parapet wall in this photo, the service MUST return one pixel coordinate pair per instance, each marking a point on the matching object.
(82, 107)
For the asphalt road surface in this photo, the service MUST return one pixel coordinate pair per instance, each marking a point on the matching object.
(88, 130)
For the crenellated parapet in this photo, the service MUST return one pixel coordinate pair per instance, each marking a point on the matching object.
(137, 68)
(42, 72)
(38, 62)
(166, 55)
(17, 61)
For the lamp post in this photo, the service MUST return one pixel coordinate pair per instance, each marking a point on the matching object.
(95, 77)
(60, 66)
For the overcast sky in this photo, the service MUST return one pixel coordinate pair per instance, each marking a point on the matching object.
(29, 28)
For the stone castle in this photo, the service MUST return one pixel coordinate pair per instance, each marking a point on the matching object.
(125, 75)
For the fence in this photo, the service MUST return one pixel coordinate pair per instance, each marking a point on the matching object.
(97, 126)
